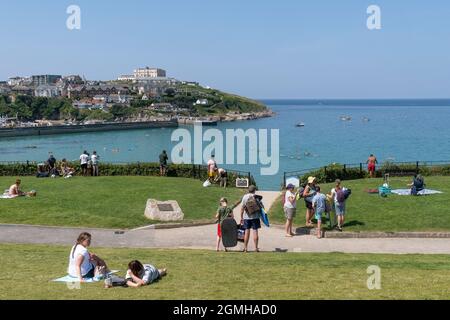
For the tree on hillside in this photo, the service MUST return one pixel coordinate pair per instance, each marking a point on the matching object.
(67, 111)
(37, 106)
(119, 111)
(170, 92)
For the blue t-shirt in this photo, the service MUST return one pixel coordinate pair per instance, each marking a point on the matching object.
(320, 202)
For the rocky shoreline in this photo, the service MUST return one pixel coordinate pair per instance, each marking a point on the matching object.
(230, 117)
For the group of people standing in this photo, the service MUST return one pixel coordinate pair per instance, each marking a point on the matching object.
(316, 204)
(89, 163)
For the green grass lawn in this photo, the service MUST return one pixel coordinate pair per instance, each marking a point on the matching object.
(26, 272)
(370, 212)
(107, 202)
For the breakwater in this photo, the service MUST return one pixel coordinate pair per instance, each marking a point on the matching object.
(61, 129)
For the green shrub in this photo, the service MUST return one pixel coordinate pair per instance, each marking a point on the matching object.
(337, 171)
(334, 171)
(129, 169)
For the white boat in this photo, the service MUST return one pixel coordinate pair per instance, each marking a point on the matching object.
(301, 124)
(346, 118)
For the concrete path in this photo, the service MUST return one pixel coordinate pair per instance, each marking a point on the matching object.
(204, 237)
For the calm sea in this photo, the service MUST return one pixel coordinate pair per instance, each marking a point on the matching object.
(396, 130)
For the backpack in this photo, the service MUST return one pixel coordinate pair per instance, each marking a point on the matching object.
(347, 193)
(340, 196)
(252, 206)
(300, 192)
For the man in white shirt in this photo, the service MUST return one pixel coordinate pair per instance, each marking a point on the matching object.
(84, 158)
(289, 209)
(94, 159)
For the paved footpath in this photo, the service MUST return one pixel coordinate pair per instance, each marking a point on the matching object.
(204, 237)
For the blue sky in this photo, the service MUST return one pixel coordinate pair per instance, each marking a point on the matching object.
(257, 48)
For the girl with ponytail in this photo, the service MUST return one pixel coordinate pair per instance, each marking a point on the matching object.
(82, 263)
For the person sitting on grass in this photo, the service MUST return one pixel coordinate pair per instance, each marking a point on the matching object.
(222, 213)
(139, 274)
(66, 171)
(14, 190)
(319, 204)
(417, 185)
(83, 264)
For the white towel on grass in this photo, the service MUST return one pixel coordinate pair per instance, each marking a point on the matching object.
(68, 278)
(407, 192)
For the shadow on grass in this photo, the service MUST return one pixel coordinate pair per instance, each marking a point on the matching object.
(354, 223)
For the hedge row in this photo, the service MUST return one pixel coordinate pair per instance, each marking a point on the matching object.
(130, 169)
(337, 171)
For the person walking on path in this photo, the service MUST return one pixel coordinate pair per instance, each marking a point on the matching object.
(371, 165)
(320, 206)
(250, 216)
(84, 159)
(94, 159)
(289, 209)
(308, 194)
(338, 196)
(163, 158)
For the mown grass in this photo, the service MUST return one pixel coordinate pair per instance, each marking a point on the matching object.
(370, 212)
(26, 272)
(107, 202)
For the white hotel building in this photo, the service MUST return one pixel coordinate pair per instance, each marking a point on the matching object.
(142, 73)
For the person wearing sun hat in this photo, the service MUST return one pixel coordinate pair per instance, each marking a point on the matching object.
(308, 194)
(289, 208)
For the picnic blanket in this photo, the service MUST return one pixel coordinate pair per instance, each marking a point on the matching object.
(6, 196)
(407, 192)
(69, 278)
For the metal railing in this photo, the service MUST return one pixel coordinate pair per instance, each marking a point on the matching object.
(385, 167)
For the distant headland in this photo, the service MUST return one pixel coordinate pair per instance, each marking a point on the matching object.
(147, 96)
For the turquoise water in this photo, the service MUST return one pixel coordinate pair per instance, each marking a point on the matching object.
(397, 130)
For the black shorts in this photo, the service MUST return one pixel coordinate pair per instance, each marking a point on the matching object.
(254, 224)
(308, 205)
(91, 273)
(84, 166)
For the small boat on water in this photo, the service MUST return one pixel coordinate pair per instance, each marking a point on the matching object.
(31, 147)
(300, 124)
(365, 119)
(346, 118)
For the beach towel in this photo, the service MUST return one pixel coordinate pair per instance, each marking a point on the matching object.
(68, 278)
(7, 196)
(407, 192)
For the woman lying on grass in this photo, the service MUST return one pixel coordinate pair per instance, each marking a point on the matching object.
(140, 275)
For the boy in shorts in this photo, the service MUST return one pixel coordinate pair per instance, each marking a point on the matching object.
(319, 204)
